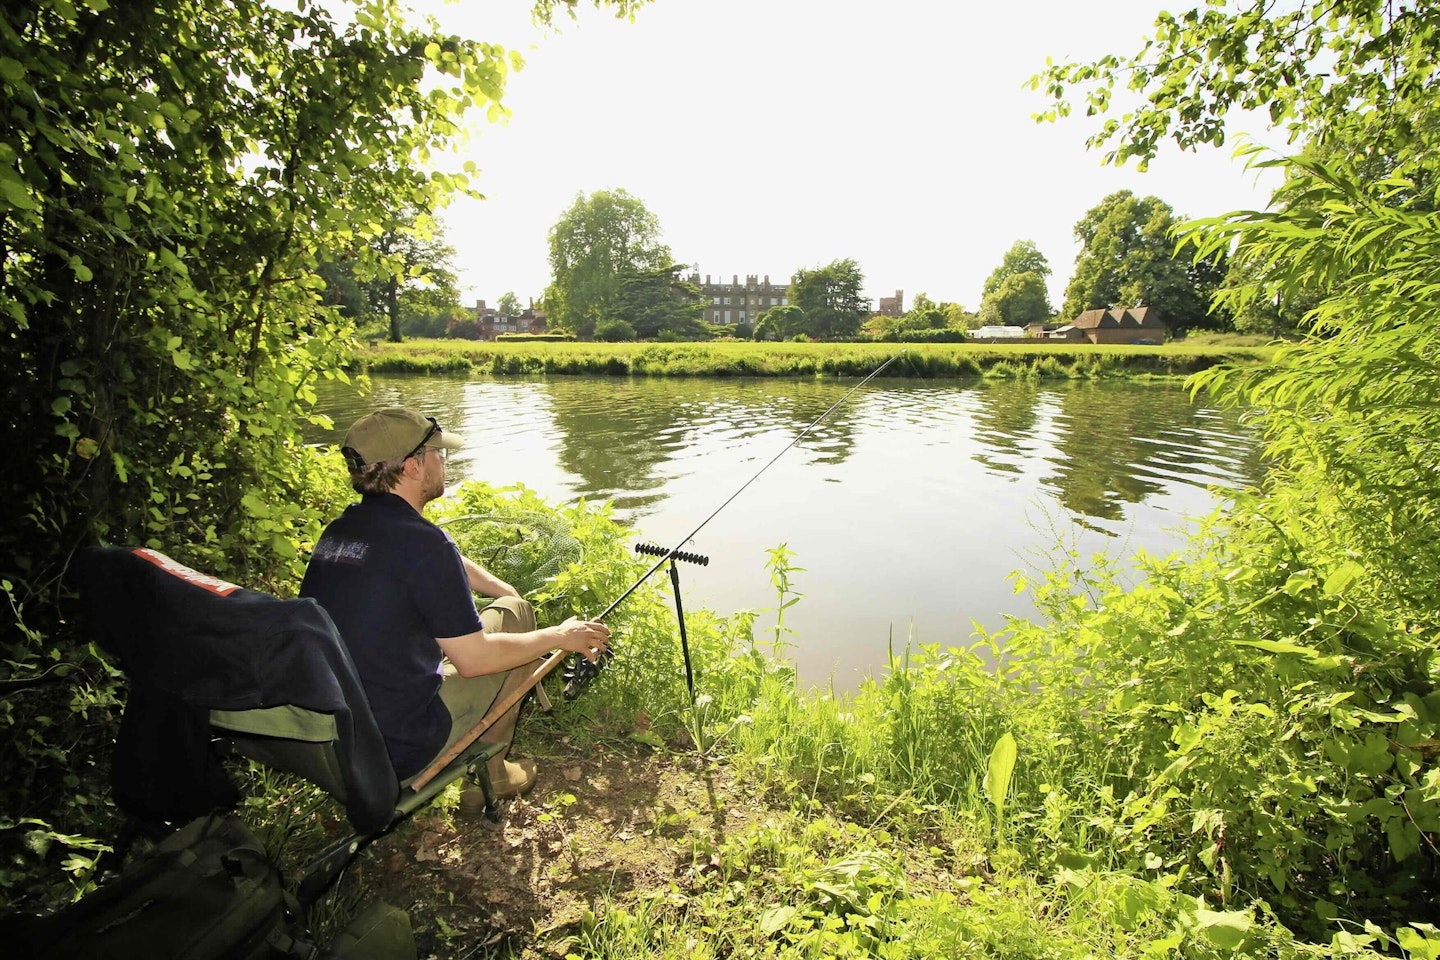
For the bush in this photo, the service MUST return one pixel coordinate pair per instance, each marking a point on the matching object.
(463, 328)
(947, 335)
(535, 338)
(614, 331)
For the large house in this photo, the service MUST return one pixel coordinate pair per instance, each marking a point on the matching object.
(1116, 325)
(737, 302)
(489, 322)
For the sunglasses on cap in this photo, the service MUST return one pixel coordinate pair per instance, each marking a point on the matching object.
(434, 431)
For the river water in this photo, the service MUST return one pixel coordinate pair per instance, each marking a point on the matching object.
(908, 507)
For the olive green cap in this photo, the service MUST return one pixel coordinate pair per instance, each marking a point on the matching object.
(393, 433)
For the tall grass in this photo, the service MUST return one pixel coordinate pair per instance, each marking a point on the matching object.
(748, 359)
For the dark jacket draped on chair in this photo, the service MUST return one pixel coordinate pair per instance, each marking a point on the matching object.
(188, 647)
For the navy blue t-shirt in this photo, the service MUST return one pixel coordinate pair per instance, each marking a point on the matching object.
(393, 581)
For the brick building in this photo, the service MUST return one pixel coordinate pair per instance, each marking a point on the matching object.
(1116, 325)
(892, 306)
(737, 302)
(489, 322)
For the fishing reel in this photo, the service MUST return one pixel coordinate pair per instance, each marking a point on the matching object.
(579, 672)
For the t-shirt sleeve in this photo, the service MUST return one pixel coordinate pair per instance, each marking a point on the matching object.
(442, 591)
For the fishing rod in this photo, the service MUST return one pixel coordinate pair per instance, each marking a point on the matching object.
(582, 670)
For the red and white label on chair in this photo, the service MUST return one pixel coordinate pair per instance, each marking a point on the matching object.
(204, 581)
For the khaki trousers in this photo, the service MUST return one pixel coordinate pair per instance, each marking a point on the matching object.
(469, 698)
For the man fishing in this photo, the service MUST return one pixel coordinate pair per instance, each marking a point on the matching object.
(402, 597)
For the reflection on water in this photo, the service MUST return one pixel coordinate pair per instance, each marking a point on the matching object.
(908, 506)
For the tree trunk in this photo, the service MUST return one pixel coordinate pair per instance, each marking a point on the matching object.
(392, 309)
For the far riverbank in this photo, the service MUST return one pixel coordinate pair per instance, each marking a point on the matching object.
(1024, 360)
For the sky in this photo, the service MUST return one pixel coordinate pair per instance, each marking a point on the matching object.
(771, 135)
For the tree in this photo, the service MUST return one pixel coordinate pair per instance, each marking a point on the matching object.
(402, 281)
(780, 322)
(1317, 70)
(404, 261)
(1268, 312)
(509, 305)
(427, 309)
(596, 242)
(1022, 257)
(1128, 258)
(659, 303)
(831, 300)
(1019, 299)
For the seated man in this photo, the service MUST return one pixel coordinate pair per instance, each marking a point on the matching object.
(400, 594)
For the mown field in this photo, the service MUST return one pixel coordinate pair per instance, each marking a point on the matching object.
(749, 359)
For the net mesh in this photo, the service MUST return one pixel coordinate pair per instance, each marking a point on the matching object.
(526, 551)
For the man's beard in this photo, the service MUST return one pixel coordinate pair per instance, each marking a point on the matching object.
(434, 489)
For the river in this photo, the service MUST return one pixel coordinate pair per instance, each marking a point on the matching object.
(908, 507)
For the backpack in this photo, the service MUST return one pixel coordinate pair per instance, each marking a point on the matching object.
(206, 892)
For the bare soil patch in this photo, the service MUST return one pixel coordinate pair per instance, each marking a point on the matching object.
(604, 820)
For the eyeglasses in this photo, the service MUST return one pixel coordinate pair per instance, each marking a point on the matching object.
(434, 431)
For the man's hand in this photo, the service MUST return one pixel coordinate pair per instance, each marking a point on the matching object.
(589, 638)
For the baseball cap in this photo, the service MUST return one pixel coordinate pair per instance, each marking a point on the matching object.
(393, 433)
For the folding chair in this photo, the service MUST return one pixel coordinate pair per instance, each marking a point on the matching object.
(214, 668)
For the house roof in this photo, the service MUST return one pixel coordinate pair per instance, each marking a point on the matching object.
(1117, 317)
(1093, 319)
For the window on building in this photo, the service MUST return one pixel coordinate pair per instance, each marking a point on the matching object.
(742, 316)
(717, 301)
(727, 316)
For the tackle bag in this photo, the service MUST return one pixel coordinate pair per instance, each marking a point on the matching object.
(206, 892)
(379, 932)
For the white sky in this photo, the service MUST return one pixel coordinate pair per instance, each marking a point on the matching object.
(769, 135)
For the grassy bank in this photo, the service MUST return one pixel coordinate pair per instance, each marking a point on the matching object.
(1141, 776)
(749, 359)
(1214, 764)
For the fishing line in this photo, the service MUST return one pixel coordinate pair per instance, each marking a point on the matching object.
(701, 526)
(581, 671)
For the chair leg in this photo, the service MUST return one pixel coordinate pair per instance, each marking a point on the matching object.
(479, 771)
(323, 872)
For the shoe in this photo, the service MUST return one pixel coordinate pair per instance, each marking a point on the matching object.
(472, 803)
(519, 778)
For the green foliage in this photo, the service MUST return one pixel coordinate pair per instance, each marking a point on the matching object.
(831, 300)
(534, 338)
(1018, 300)
(612, 331)
(927, 322)
(930, 335)
(576, 560)
(782, 322)
(597, 242)
(1128, 258)
(940, 355)
(1022, 257)
(659, 304)
(1312, 68)
(178, 182)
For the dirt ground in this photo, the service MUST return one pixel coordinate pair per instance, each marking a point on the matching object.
(603, 820)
